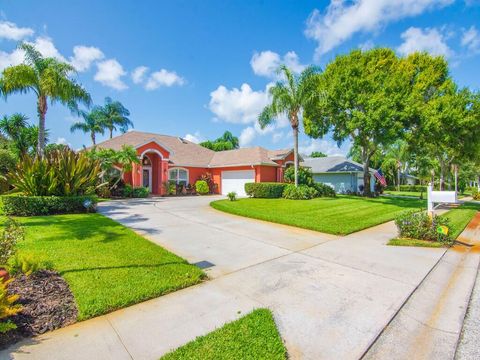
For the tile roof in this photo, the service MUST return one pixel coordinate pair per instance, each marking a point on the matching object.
(332, 164)
(187, 153)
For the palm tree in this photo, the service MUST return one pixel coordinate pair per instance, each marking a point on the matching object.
(398, 157)
(290, 97)
(92, 123)
(115, 116)
(27, 140)
(10, 126)
(49, 79)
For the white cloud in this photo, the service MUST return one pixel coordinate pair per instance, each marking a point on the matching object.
(47, 48)
(11, 31)
(84, 56)
(163, 78)
(138, 74)
(367, 45)
(240, 106)
(62, 141)
(429, 40)
(9, 59)
(247, 135)
(110, 73)
(471, 39)
(327, 146)
(267, 62)
(195, 138)
(342, 19)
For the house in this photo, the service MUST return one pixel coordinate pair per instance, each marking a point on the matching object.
(169, 158)
(340, 173)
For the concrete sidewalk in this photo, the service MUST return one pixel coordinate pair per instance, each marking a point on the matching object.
(331, 296)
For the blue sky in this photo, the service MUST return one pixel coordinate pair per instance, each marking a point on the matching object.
(197, 68)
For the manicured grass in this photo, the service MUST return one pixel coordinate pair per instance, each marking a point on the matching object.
(253, 336)
(415, 242)
(405, 193)
(459, 219)
(106, 265)
(340, 215)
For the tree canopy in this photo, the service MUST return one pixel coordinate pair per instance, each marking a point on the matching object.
(225, 142)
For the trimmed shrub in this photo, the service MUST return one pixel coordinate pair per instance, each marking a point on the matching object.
(407, 188)
(324, 190)
(201, 186)
(300, 192)
(305, 176)
(16, 205)
(419, 226)
(232, 196)
(135, 192)
(475, 193)
(267, 190)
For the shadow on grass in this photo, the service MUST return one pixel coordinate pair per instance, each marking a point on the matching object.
(133, 266)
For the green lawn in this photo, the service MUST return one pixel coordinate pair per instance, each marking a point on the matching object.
(406, 193)
(459, 219)
(253, 336)
(107, 265)
(340, 215)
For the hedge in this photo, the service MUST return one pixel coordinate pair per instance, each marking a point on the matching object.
(408, 188)
(18, 205)
(267, 190)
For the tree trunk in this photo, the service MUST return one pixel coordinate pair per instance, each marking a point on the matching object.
(442, 176)
(111, 132)
(398, 177)
(366, 174)
(295, 152)
(42, 110)
(92, 135)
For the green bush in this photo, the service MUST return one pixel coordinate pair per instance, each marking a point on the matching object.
(57, 173)
(16, 205)
(414, 225)
(324, 190)
(8, 307)
(305, 176)
(232, 196)
(7, 162)
(407, 188)
(23, 264)
(300, 192)
(267, 190)
(135, 192)
(201, 187)
(475, 193)
(13, 233)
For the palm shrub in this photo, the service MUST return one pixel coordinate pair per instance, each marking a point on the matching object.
(58, 173)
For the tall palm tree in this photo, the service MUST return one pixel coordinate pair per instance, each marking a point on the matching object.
(92, 123)
(291, 96)
(49, 79)
(115, 116)
(27, 140)
(11, 126)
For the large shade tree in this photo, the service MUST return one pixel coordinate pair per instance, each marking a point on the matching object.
(293, 96)
(49, 79)
(363, 97)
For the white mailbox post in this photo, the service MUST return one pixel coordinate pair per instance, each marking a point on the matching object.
(439, 197)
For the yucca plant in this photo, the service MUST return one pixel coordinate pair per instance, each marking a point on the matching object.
(60, 172)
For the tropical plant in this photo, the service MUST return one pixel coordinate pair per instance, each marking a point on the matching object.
(201, 187)
(397, 159)
(304, 176)
(7, 162)
(92, 123)
(232, 196)
(290, 97)
(8, 307)
(114, 116)
(49, 79)
(10, 126)
(23, 137)
(12, 233)
(225, 142)
(60, 173)
(23, 264)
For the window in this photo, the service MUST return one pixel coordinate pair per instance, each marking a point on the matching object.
(179, 176)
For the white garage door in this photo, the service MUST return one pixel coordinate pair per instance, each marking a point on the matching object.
(236, 180)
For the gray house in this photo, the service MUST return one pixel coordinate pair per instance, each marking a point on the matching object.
(340, 173)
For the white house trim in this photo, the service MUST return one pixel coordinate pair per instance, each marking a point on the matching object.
(179, 168)
(151, 150)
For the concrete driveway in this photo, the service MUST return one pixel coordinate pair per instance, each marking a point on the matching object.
(331, 296)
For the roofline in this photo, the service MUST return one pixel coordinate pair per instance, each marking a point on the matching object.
(156, 142)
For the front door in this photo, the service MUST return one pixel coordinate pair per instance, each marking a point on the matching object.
(147, 178)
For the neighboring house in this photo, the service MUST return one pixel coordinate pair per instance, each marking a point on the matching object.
(409, 179)
(340, 173)
(168, 158)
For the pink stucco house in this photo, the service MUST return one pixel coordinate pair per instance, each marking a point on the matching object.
(164, 158)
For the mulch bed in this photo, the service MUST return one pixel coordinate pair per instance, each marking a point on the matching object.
(47, 303)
